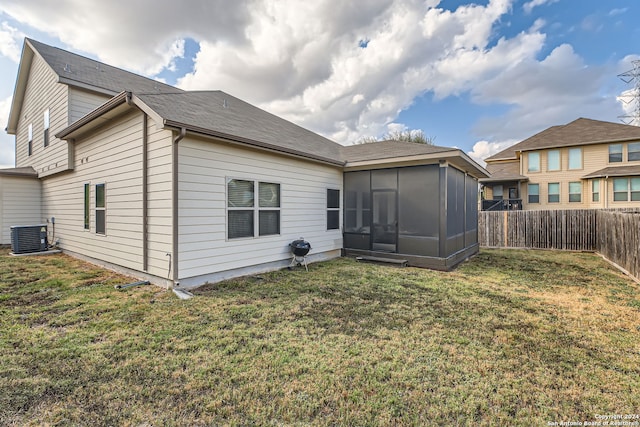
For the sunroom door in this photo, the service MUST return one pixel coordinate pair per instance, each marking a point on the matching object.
(384, 233)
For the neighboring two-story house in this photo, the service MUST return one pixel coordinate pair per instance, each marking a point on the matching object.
(585, 164)
(192, 187)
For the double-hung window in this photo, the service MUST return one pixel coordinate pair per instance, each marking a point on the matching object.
(333, 209)
(46, 127)
(625, 189)
(575, 192)
(30, 141)
(533, 191)
(633, 151)
(244, 210)
(87, 198)
(575, 158)
(553, 160)
(595, 190)
(533, 160)
(101, 209)
(554, 192)
(615, 153)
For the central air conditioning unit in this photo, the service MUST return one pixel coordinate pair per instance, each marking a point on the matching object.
(29, 238)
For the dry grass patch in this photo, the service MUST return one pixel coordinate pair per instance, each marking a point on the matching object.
(509, 338)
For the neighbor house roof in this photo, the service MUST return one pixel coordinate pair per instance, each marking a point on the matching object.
(628, 170)
(578, 132)
(504, 171)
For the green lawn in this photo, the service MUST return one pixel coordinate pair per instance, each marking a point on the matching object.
(509, 338)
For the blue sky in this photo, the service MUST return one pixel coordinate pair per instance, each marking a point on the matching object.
(479, 76)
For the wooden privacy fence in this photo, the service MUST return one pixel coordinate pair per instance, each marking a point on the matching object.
(560, 229)
(613, 233)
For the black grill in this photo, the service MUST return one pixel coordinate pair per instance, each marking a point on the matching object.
(299, 248)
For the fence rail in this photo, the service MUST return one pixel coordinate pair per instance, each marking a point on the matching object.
(613, 233)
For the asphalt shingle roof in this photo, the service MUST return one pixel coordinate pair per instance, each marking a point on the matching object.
(578, 132)
(507, 171)
(73, 68)
(627, 170)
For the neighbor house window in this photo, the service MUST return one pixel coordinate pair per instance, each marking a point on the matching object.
(533, 162)
(575, 158)
(534, 193)
(595, 190)
(30, 142)
(575, 192)
(498, 192)
(554, 192)
(100, 208)
(625, 189)
(333, 209)
(615, 153)
(87, 191)
(243, 211)
(46, 128)
(633, 151)
(553, 160)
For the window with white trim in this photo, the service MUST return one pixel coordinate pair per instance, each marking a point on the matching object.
(625, 189)
(575, 158)
(615, 153)
(595, 190)
(575, 192)
(553, 160)
(554, 192)
(30, 141)
(633, 151)
(243, 211)
(87, 198)
(333, 209)
(533, 162)
(533, 191)
(46, 127)
(101, 209)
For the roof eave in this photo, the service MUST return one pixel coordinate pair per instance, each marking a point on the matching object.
(114, 105)
(252, 143)
(21, 85)
(454, 156)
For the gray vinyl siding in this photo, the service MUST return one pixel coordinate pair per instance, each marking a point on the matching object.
(204, 167)
(43, 92)
(112, 156)
(19, 204)
(82, 102)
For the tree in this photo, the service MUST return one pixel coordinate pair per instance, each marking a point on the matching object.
(417, 136)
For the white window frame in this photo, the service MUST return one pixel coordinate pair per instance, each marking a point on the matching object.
(256, 208)
(529, 186)
(635, 152)
(530, 156)
(333, 209)
(549, 168)
(30, 139)
(100, 208)
(45, 120)
(549, 193)
(575, 184)
(574, 151)
(615, 153)
(595, 190)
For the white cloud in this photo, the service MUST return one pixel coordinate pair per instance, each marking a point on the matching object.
(529, 6)
(6, 141)
(10, 42)
(483, 149)
(620, 11)
(135, 35)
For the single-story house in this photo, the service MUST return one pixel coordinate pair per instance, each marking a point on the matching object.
(181, 187)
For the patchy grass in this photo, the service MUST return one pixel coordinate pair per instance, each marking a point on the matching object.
(509, 338)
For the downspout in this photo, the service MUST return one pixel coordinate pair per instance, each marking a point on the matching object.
(145, 192)
(606, 192)
(174, 196)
